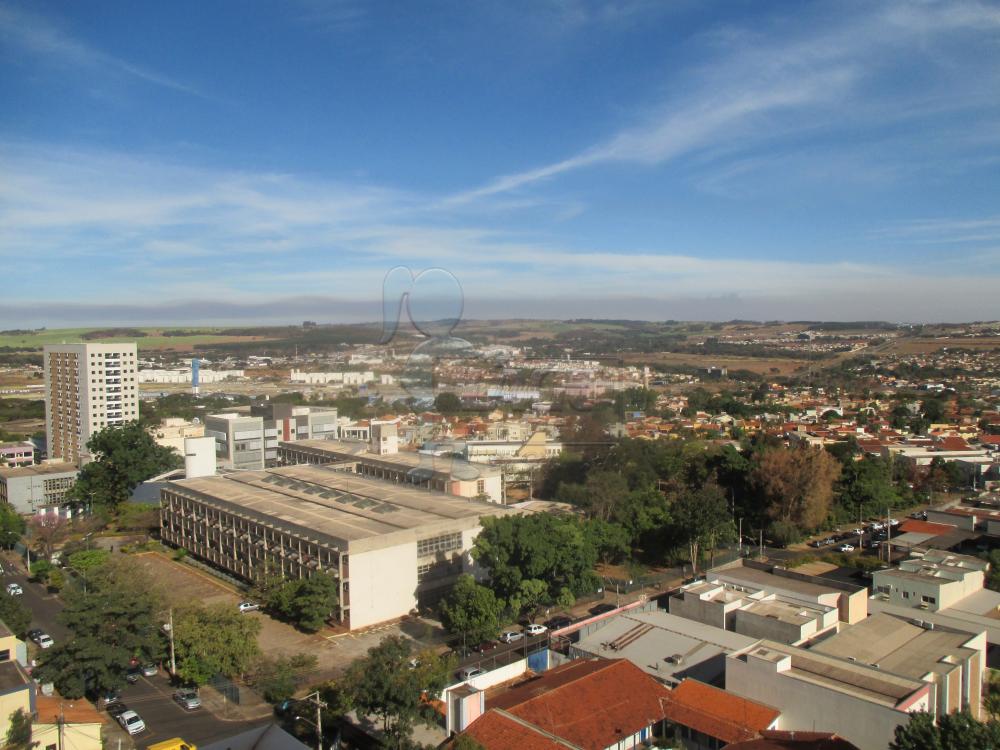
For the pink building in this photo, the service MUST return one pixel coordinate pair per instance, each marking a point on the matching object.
(13, 455)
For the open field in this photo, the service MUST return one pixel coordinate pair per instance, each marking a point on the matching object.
(153, 340)
(926, 346)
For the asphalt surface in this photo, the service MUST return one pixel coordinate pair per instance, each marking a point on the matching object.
(150, 697)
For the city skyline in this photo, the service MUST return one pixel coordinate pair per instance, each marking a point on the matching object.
(566, 159)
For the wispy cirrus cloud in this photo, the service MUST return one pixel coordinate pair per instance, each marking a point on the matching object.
(37, 36)
(763, 85)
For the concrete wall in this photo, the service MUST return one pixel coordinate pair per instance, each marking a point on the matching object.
(808, 706)
(692, 607)
(382, 584)
(75, 736)
(939, 593)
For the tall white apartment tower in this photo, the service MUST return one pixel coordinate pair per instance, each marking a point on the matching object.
(87, 388)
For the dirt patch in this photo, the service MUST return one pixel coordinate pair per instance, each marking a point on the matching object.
(762, 365)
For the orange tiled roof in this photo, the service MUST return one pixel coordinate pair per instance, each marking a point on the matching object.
(497, 730)
(74, 712)
(718, 714)
(592, 703)
(925, 527)
(797, 740)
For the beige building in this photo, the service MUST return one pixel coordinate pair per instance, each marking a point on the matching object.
(453, 476)
(17, 690)
(932, 580)
(818, 692)
(87, 387)
(390, 545)
(952, 661)
(753, 612)
(239, 440)
(66, 725)
(170, 433)
(851, 602)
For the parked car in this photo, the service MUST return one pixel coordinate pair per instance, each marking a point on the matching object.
(150, 670)
(535, 629)
(857, 532)
(248, 607)
(559, 621)
(132, 675)
(877, 526)
(894, 522)
(112, 696)
(846, 548)
(44, 640)
(469, 672)
(131, 722)
(510, 636)
(485, 646)
(187, 699)
(14, 589)
(34, 633)
(116, 709)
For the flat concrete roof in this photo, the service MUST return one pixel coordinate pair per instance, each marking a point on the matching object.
(769, 581)
(897, 646)
(39, 470)
(357, 449)
(339, 505)
(652, 640)
(785, 611)
(11, 676)
(859, 680)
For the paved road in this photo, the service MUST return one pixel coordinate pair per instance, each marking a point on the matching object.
(150, 696)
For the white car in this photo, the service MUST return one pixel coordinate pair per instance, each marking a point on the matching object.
(14, 589)
(877, 526)
(469, 672)
(131, 722)
(510, 636)
(846, 548)
(248, 607)
(44, 640)
(535, 629)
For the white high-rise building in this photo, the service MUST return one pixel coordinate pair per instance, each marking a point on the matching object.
(87, 387)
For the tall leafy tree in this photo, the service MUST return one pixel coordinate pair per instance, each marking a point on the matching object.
(797, 484)
(390, 686)
(543, 547)
(954, 731)
(702, 520)
(15, 615)
(306, 602)
(214, 640)
(472, 611)
(19, 731)
(12, 526)
(114, 621)
(124, 457)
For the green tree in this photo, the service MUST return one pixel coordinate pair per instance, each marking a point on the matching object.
(447, 403)
(472, 611)
(389, 685)
(306, 602)
(12, 526)
(278, 678)
(15, 615)
(702, 520)
(111, 623)
(866, 486)
(85, 561)
(214, 640)
(19, 732)
(531, 594)
(465, 742)
(124, 457)
(798, 484)
(954, 731)
(543, 547)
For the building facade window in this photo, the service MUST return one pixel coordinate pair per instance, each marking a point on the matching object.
(444, 543)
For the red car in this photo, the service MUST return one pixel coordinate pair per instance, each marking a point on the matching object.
(485, 646)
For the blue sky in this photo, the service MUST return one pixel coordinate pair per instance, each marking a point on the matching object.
(181, 162)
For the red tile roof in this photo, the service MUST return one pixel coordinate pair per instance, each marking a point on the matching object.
(786, 740)
(718, 714)
(989, 439)
(953, 444)
(925, 527)
(498, 730)
(591, 703)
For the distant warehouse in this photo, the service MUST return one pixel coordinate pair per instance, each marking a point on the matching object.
(391, 546)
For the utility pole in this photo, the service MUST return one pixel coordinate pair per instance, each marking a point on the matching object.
(59, 733)
(739, 541)
(173, 656)
(320, 705)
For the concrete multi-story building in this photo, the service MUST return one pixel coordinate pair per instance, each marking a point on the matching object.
(753, 612)
(933, 580)
(239, 440)
(87, 387)
(390, 546)
(376, 458)
(17, 454)
(289, 423)
(37, 489)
